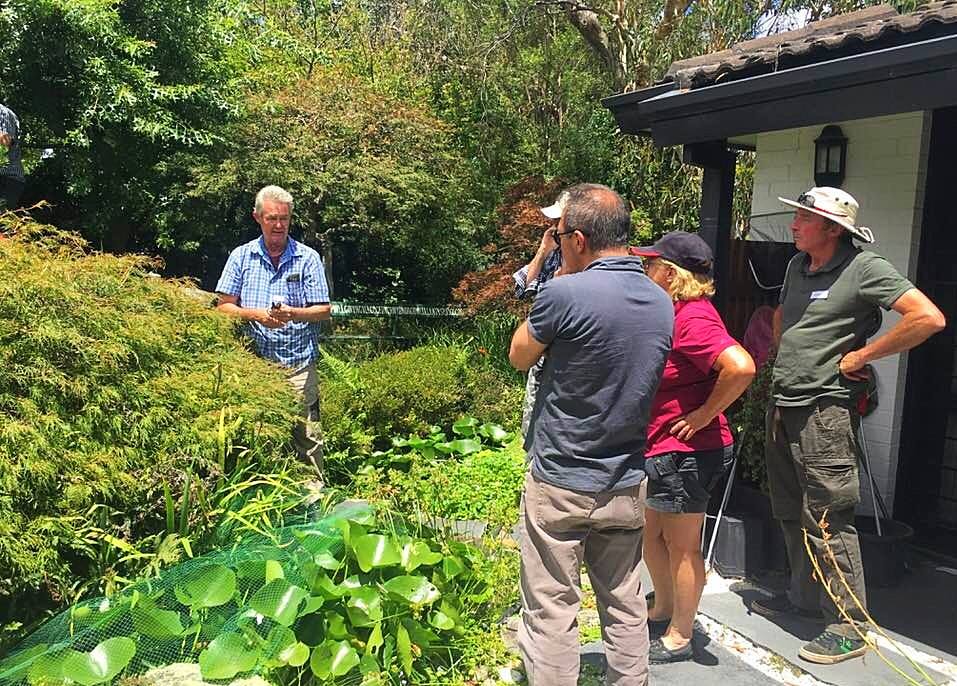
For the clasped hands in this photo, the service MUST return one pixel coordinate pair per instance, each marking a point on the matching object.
(276, 317)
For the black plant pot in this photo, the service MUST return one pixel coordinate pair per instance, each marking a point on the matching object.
(739, 547)
(885, 559)
(753, 543)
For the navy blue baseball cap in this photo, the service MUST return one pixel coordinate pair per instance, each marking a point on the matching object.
(687, 250)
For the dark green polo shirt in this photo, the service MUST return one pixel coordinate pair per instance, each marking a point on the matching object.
(826, 314)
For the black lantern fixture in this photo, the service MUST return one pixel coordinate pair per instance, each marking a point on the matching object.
(830, 157)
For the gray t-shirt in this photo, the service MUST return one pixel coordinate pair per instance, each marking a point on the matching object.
(608, 331)
(824, 315)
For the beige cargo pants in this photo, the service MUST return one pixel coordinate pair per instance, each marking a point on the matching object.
(564, 528)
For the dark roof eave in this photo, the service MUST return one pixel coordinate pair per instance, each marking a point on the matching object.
(626, 107)
(889, 63)
(640, 111)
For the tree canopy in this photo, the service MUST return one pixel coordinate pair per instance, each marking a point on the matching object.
(399, 126)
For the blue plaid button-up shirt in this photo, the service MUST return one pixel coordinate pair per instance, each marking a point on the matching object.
(10, 164)
(299, 281)
(524, 287)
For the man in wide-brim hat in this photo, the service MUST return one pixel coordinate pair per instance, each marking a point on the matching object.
(828, 308)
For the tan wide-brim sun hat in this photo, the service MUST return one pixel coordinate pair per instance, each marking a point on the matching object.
(835, 204)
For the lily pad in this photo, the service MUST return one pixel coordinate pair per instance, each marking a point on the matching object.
(493, 432)
(415, 590)
(441, 621)
(279, 600)
(414, 554)
(101, 664)
(464, 446)
(327, 560)
(364, 607)
(374, 551)
(336, 626)
(209, 586)
(333, 659)
(228, 655)
(282, 648)
(154, 622)
(465, 426)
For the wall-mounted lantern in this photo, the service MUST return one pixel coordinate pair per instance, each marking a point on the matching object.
(830, 157)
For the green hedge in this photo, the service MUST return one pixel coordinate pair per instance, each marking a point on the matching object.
(396, 394)
(112, 383)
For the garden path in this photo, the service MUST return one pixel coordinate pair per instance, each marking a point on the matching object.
(737, 647)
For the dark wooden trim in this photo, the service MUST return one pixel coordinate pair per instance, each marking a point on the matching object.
(717, 196)
(918, 76)
(880, 65)
(626, 107)
(928, 397)
(910, 94)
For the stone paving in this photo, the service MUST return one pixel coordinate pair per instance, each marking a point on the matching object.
(736, 647)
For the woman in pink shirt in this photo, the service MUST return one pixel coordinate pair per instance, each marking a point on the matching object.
(688, 437)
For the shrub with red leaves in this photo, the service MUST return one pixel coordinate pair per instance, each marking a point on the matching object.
(521, 225)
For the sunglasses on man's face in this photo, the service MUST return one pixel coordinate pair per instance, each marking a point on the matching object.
(557, 235)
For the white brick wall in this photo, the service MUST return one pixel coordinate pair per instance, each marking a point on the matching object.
(886, 163)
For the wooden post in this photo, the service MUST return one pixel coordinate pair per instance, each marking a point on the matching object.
(717, 198)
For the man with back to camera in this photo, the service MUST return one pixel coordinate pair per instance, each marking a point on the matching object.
(278, 286)
(607, 329)
(11, 167)
(828, 307)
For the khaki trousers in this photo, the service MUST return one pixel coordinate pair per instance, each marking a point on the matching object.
(564, 528)
(307, 434)
(812, 453)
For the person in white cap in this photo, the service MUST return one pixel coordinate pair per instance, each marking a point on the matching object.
(827, 310)
(531, 277)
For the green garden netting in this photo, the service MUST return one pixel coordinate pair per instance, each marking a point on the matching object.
(332, 597)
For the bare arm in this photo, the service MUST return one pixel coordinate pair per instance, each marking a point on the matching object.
(545, 248)
(525, 349)
(310, 313)
(920, 319)
(735, 370)
(776, 328)
(229, 304)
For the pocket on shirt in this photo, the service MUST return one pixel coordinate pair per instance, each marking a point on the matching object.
(294, 294)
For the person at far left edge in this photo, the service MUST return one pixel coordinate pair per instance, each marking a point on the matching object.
(278, 285)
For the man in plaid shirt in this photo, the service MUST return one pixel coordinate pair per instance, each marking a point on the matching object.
(11, 168)
(278, 286)
(531, 277)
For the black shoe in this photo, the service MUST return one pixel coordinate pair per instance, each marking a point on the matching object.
(660, 654)
(657, 627)
(775, 606)
(830, 648)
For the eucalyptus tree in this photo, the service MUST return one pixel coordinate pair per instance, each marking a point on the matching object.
(115, 88)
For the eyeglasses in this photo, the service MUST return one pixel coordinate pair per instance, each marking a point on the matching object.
(806, 199)
(557, 235)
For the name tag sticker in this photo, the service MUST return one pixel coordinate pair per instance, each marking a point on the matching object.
(819, 295)
(292, 278)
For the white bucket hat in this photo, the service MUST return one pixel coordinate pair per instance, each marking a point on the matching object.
(835, 204)
(554, 211)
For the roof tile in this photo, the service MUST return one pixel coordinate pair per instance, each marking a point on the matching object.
(853, 33)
